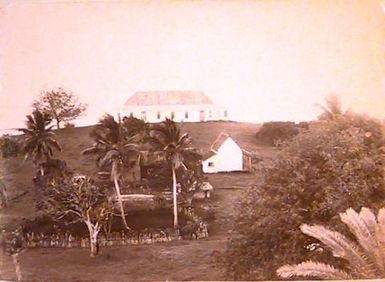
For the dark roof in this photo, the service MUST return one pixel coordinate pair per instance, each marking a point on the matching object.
(152, 98)
(219, 141)
(208, 155)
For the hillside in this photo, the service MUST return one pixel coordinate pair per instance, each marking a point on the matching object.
(18, 174)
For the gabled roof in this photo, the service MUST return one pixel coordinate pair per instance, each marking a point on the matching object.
(219, 141)
(208, 155)
(222, 137)
(152, 98)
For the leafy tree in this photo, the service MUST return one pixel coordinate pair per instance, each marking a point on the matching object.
(168, 141)
(365, 255)
(115, 152)
(39, 140)
(78, 199)
(336, 164)
(60, 105)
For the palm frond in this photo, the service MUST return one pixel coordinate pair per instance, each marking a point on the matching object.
(313, 269)
(365, 234)
(340, 246)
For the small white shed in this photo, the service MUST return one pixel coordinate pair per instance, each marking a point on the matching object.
(225, 155)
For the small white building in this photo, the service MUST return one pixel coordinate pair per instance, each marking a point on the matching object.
(225, 155)
(186, 106)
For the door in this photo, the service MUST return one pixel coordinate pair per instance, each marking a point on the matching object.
(202, 115)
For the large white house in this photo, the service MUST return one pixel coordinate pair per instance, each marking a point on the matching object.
(225, 155)
(186, 106)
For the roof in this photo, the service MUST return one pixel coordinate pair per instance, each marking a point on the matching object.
(222, 137)
(219, 141)
(152, 98)
(208, 155)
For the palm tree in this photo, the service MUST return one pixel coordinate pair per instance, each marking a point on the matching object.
(40, 140)
(333, 108)
(166, 138)
(114, 151)
(365, 255)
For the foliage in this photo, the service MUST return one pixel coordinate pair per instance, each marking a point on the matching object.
(115, 151)
(276, 131)
(60, 105)
(78, 199)
(365, 255)
(39, 140)
(333, 108)
(9, 147)
(134, 127)
(168, 141)
(335, 164)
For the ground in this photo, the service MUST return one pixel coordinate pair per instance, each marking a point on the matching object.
(181, 260)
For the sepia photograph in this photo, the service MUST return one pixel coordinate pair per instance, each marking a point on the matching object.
(192, 140)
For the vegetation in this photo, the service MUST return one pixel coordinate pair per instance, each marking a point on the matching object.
(115, 151)
(271, 133)
(39, 140)
(168, 141)
(60, 105)
(336, 164)
(78, 199)
(9, 147)
(366, 258)
(12, 244)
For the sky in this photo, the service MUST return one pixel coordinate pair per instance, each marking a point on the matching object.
(263, 60)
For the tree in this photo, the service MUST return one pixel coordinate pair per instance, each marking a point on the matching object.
(78, 199)
(39, 140)
(114, 151)
(336, 164)
(12, 243)
(60, 105)
(333, 108)
(365, 255)
(166, 138)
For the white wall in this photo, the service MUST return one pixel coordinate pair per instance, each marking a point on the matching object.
(217, 113)
(228, 158)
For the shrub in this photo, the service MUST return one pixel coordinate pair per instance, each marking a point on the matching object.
(273, 132)
(334, 165)
(9, 147)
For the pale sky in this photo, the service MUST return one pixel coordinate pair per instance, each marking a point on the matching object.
(264, 60)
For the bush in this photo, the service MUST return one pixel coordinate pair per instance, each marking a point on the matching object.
(69, 125)
(9, 147)
(334, 165)
(273, 132)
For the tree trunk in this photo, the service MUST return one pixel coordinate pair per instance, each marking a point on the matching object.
(58, 124)
(16, 262)
(93, 232)
(117, 188)
(174, 197)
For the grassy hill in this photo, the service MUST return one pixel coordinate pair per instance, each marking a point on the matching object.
(18, 174)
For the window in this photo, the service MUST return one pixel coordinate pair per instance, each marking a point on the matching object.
(158, 115)
(143, 115)
(172, 115)
(211, 164)
(186, 115)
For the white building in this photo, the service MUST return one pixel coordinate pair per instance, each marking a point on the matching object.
(225, 155)
(186, 106)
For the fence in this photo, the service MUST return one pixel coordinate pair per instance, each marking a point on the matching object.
(149, 236)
